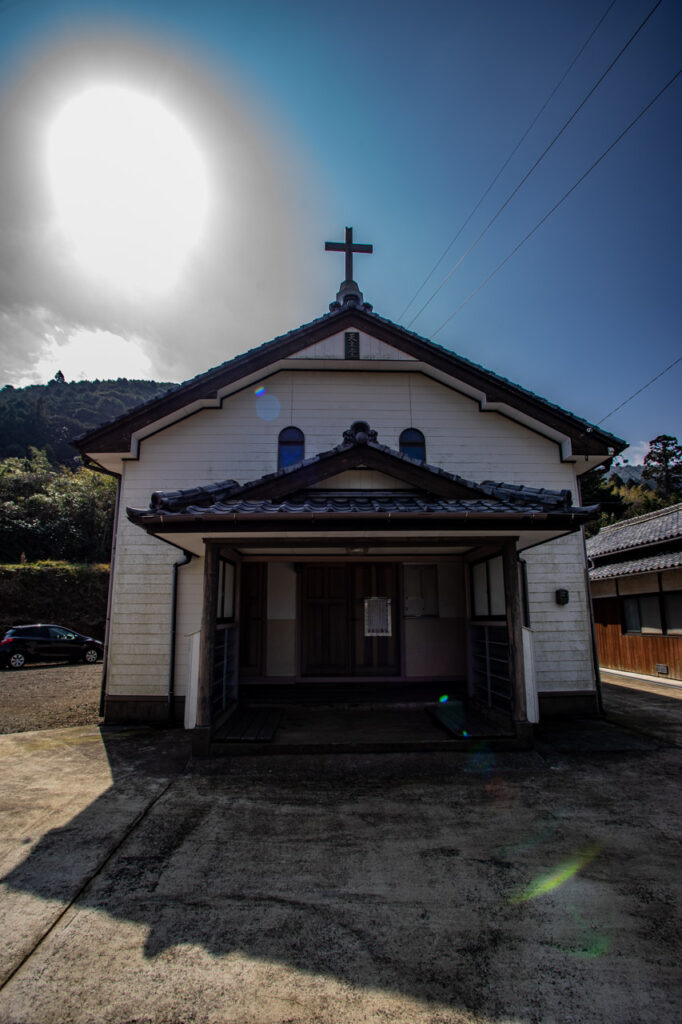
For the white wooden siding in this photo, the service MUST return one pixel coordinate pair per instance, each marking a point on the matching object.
(561, 633)
(237, 442)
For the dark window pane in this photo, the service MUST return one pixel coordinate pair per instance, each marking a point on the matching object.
(650, 613)
(412, 443)
(290, 447)
(673, 612)
(631, 620)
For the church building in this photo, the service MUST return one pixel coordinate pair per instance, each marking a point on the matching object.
(348, 512)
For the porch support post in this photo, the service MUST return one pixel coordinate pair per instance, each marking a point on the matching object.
(208, 618)
(512, 594)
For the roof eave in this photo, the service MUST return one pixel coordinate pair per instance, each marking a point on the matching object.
(116, 436)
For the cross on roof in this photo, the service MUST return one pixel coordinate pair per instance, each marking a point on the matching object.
(349, 247)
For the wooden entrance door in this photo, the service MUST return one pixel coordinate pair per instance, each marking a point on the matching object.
(333, 640)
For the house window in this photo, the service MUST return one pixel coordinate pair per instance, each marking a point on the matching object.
(672, 610)
(412, 443)
(653, 614)
(290, 447)
(487, 589)
(225, 606)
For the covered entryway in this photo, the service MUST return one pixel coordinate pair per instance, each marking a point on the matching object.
(363, 566)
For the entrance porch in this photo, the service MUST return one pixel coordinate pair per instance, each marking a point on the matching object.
(395, 648)
(362, 575)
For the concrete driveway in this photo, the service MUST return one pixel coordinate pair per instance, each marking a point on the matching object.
(523, 887)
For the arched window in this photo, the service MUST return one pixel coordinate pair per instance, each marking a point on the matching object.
(290, 447)
(412, 443)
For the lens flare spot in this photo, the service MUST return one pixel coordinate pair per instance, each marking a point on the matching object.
(267, 407)
(259, 391)
(443, 699)
(465, 733)
(481, 761)
(554, 879)
(591, 943)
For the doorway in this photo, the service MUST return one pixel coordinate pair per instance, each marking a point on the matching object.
(349, 620)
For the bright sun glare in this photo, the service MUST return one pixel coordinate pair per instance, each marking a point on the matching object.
(129, 186)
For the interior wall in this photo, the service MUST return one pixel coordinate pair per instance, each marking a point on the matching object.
(280, 634)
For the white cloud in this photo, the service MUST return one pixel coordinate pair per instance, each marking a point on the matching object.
(90, 354)
(634, 453)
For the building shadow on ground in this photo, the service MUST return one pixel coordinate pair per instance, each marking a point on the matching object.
(487, 883)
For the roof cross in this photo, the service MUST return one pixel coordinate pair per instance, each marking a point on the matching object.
(349, 247)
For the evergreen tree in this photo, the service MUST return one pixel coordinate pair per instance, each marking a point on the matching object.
(663, 465)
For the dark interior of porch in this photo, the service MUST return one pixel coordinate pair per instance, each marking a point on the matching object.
(268, 727)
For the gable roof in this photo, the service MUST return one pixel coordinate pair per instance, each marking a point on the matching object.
(117, 435)
(285, 492)
(651, 563)
(660, 527)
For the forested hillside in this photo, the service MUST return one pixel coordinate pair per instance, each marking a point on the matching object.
(48, 416)
(63, 513)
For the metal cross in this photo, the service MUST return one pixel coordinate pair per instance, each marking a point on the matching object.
(349, 247)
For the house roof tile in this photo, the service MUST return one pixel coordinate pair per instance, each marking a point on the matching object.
(652, 528)
(651, 563)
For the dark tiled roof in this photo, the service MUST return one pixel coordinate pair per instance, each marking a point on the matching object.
(362, 504)
(652, 563)
(653, 528)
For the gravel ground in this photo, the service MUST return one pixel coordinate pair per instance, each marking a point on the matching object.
(49, 697)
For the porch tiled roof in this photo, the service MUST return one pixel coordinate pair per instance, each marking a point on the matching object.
(653, 528)
(652, 563)
(362, 504)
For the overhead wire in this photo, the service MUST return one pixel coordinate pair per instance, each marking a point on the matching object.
(560, 201)
(509, 158)
(538, 161)
(639, 391)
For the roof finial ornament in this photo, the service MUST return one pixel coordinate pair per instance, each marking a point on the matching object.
(348, 293)
(359, 433)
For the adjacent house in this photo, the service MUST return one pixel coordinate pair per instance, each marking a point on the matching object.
(348, 510)
(636, 584)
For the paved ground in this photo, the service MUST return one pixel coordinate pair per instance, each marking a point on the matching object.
(434, 889)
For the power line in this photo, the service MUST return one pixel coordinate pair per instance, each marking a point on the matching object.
(560, 201)
(537, 162)
(506, 162)
(639, 390)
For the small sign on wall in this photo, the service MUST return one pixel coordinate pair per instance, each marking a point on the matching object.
(352, 346)
(378, 616)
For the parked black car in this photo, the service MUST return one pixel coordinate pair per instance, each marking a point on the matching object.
(46, 643)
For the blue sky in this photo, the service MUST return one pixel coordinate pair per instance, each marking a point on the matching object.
(392, 117)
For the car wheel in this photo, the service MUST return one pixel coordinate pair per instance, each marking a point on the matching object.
(17, 660)
(90, 655)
